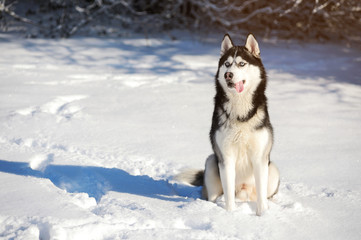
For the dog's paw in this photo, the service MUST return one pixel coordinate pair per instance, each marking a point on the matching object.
(261, 209)
(230, 206)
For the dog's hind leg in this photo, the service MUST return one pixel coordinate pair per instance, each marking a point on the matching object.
(273, 180)
(212, 188)
(247, 192)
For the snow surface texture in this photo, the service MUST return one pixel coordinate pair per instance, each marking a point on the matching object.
(92, 131)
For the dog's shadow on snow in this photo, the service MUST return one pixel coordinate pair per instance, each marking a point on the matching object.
(97, 181)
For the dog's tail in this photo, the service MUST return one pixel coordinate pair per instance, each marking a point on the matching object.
(191, 176)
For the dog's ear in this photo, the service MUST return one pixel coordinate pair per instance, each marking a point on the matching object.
(226, 44)
(252, 46)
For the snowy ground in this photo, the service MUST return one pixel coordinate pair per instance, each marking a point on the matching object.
(92, 131)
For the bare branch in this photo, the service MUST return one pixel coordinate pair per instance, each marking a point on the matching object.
(317, 19)
(6, 9)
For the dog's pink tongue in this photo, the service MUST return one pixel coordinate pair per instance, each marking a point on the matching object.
(239, 86)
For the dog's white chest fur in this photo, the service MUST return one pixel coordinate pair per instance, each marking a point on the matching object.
(240, 141)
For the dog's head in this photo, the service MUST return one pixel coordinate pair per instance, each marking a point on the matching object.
(240, 68)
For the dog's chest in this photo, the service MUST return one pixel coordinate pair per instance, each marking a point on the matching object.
(234, 137)
(234, 144)
(237, 107)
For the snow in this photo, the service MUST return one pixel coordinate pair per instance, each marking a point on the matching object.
(93, 130)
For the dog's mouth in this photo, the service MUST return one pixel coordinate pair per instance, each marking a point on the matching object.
(239, 86)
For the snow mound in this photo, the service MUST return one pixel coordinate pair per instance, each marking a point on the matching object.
(41, 161)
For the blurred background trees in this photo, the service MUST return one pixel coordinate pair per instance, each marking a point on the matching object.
(297, 19)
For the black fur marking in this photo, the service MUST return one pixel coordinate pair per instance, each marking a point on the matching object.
(219, 100)
(226, 114)
(250, 115)
(243, 53)
(265, 123)
(198, 179)
(230, 84)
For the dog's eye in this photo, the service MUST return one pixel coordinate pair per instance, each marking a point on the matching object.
(227, 64)
(242, 64)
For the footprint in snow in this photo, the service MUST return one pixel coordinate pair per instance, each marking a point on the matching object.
(62, 107)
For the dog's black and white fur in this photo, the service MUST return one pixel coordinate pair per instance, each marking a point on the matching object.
(241, 134)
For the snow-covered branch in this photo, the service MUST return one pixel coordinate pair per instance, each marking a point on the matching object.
(320, 19)
(7, 10)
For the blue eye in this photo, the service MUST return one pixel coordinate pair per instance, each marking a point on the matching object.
(242, 64)
(227, 64)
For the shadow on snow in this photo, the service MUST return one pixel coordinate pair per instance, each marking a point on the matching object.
(311, 61)
(97, 181)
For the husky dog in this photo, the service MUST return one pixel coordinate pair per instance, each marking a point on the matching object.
(241, 134)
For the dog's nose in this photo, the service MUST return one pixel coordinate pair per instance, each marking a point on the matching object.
(228, 75)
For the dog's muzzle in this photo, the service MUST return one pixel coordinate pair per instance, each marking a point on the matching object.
(228, 76)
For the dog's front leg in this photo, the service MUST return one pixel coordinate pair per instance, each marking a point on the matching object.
(261, 143)
(228, 175)
(260, 171)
